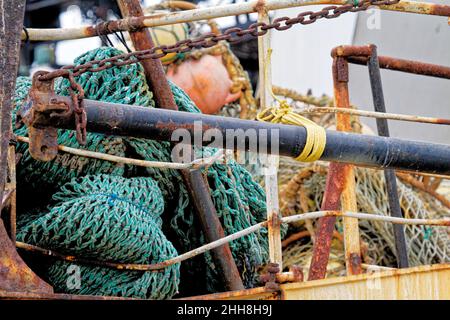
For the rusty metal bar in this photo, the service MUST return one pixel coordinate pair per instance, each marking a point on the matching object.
(213, 230)
(389, 174)
(340, 184)
(348, 196)
(10, 28)
(408, 66)
(197, 186)
(136, 23)
(325, 226)
(154, 72)
(360, 55)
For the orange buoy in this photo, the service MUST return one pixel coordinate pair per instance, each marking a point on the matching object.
(206, 81)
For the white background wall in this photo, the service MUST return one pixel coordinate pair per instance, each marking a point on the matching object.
(301, 61)
(301, 55)
(415, 37)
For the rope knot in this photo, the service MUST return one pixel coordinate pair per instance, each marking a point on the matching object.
(315, 134)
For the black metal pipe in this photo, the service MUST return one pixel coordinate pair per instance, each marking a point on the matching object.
(389, 174)
(158, 124)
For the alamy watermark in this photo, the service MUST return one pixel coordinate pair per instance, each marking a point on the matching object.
(73, 281)
(254, 144)
(373, 15)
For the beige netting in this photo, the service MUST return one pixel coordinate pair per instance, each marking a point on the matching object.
(301, 190)
(427, 245)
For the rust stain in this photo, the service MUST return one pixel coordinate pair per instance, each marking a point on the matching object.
(15, 276)
(355, 263)
(420, 7)
(346, 51)
(442, 121)
(325, 228)
(415, 67)
(260, 6)
(361, 54)
(440, 10)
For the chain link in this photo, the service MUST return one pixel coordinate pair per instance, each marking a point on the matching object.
(77, 96)
(231, 35)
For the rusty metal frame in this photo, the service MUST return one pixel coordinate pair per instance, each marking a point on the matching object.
(342, 56)
(340, 181)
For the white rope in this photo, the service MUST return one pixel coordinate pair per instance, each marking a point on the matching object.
(256, 227)
(218, 157)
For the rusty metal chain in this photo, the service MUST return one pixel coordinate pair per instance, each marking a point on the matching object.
(77, 96)
(232, 35)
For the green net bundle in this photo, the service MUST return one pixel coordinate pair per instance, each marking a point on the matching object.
(107, 218)
(240, 202)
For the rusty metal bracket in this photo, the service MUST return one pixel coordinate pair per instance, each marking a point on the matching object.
(365, 55)
(274, 277)
(15, 276)
(43, 107)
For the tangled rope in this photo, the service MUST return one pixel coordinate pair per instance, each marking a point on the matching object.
(239, 201)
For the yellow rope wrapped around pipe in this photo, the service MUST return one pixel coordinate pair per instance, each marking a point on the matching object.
(316, 137)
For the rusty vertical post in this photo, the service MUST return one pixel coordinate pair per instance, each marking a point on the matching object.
(10, 28)
(340, 185)
(154, 72)
(12, 188)
(14, 273)
(197, 186)
(348, 197)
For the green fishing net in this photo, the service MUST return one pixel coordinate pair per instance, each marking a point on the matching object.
(106, 218)
(239, 200)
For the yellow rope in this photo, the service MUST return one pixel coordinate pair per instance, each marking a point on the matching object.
(283, 113)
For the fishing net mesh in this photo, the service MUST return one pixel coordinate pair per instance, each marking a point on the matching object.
(301, 190)
(240, 201)
(426, 245)
(107, 218)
